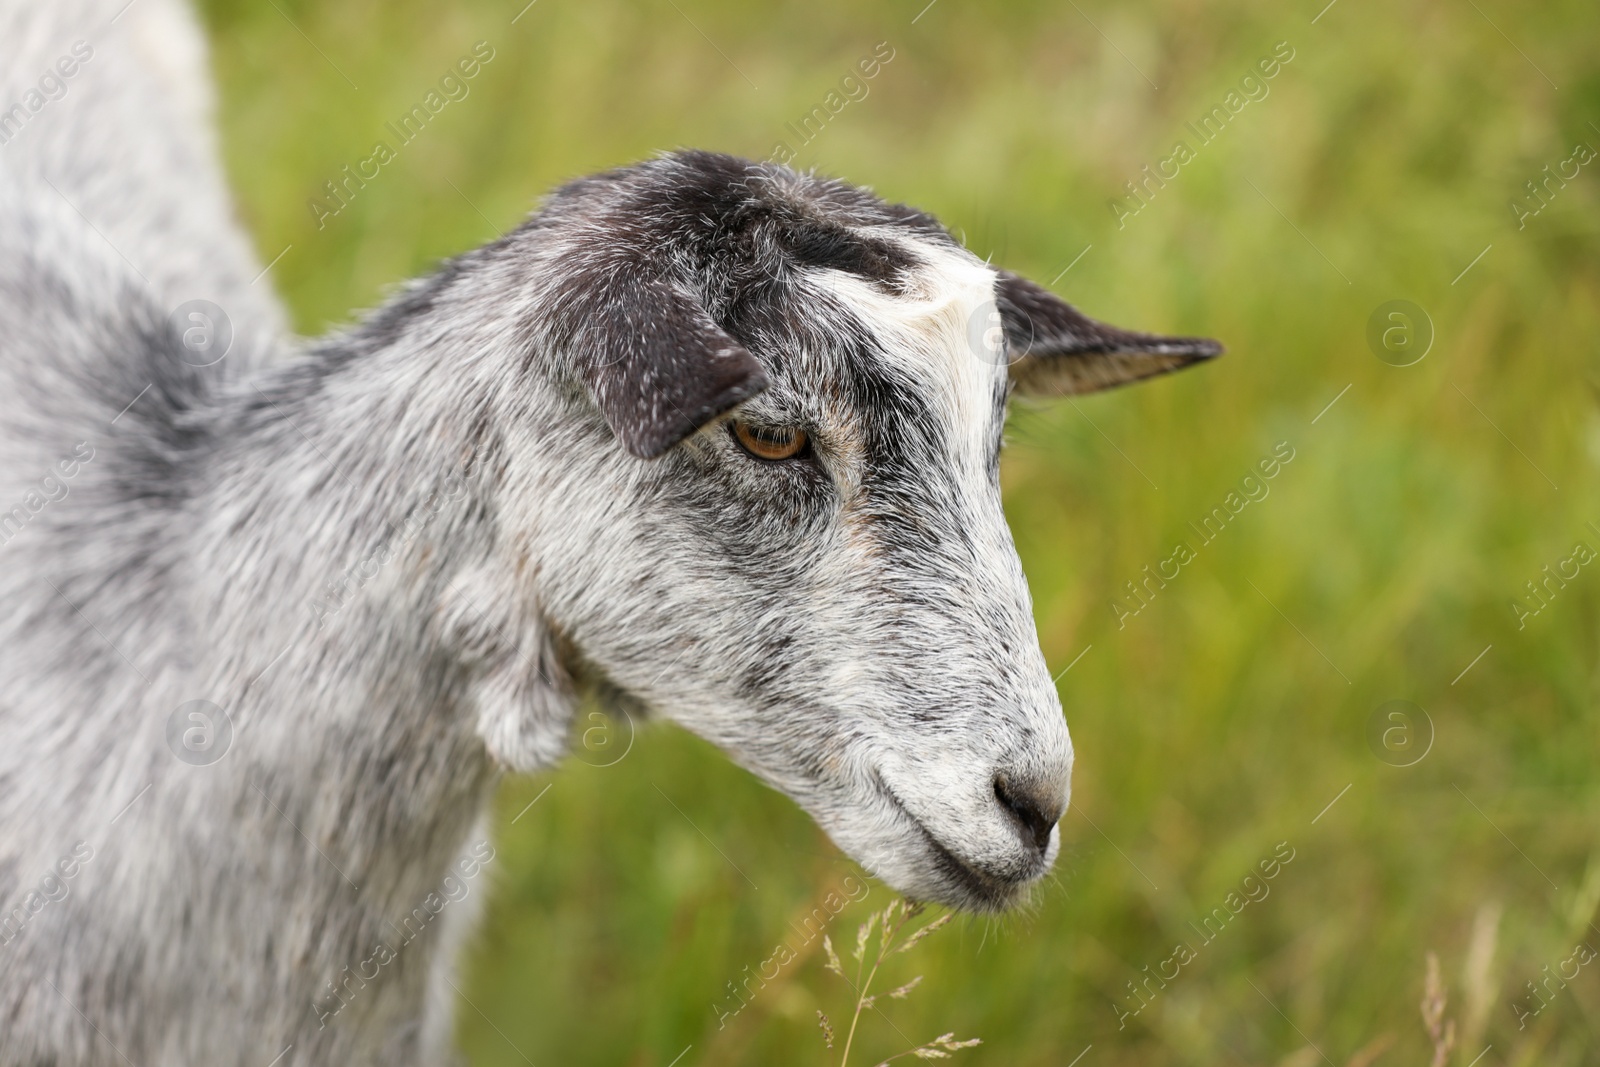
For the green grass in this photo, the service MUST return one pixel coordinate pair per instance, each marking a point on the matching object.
(1226, 715)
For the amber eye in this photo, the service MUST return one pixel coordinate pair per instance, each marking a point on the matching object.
(770, 442)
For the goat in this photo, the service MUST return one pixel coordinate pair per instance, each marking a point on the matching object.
(709, 440)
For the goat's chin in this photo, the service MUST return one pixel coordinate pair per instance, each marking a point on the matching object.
(909, 858)
(959, 885)
(938, 876)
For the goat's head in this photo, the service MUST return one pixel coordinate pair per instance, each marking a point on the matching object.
(781, 511)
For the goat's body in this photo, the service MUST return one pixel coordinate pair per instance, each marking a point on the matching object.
(228, 894)
(209, 906)
(129, 143)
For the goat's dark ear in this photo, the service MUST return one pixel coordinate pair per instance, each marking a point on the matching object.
(1058, 351)
(659, 367)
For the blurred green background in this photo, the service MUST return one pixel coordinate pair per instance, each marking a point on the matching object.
(1225, 716)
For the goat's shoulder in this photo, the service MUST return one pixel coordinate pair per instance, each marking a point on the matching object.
(79, 336)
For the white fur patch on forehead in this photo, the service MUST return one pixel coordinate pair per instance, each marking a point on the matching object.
(931, 333)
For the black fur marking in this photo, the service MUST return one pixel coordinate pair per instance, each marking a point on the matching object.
(671, 250)
(831, 246)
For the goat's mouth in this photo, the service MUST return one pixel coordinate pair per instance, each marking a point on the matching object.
(969, 887)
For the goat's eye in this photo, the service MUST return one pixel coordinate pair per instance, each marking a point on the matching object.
(770, 442)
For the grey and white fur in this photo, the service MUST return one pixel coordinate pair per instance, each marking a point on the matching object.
(398, 557)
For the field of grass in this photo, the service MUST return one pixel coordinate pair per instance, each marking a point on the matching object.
(1217, 723)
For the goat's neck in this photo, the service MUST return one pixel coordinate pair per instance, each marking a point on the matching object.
(398, 663)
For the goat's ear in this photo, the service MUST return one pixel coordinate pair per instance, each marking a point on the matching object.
(659, 367)
(1058, 351)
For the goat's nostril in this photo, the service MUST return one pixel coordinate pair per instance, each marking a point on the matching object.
(1036, 816)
